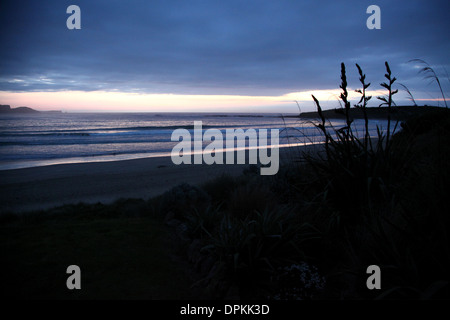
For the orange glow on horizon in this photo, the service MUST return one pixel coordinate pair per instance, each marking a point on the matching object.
(101, 101)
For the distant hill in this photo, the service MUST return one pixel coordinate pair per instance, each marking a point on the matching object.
(8, 109)
(5, 108)
(397, 113)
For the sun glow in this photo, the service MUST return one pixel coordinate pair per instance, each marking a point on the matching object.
(102, 101)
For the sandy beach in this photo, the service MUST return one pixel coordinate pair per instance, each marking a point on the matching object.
(37, 188)
(45, 187)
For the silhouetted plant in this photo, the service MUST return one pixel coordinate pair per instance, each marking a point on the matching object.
(367, 205)
(298, 106)
(388, 101)
(248, 250)
(430, 74)
(322, 126)
(344, 98)
(363, 105)
(353, 169)
(299, 281)
(202, 223)
(410, 96)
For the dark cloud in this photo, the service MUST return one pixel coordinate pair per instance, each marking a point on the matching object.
(214, 47)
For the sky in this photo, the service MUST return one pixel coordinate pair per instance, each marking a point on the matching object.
(216, 56)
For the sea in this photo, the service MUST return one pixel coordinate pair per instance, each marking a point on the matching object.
(33, 140)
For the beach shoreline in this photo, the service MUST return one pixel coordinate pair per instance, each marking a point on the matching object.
(40, 188)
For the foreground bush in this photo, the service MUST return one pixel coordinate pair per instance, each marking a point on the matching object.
(362, 201)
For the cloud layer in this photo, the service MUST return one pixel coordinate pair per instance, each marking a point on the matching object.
(216, 47)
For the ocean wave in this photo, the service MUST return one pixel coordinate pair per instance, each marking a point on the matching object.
(106, 130)
(91, 141)
(83, 136)
(50, 156)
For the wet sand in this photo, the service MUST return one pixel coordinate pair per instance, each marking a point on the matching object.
(40, 188)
